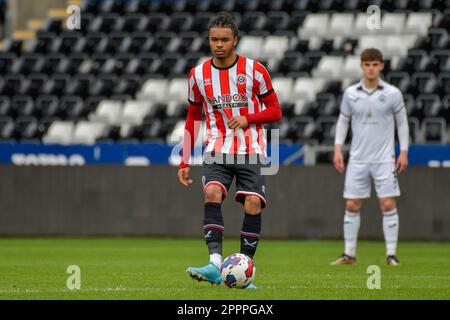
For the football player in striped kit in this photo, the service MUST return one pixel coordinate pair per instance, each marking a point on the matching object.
(238, 99)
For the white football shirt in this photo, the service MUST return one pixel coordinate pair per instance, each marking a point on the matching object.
(372, 117)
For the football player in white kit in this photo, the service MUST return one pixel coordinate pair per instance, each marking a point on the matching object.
(372, 107)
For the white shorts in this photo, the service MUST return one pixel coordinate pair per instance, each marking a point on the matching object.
(358, 180)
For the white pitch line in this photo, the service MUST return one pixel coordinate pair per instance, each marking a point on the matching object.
(89, 290)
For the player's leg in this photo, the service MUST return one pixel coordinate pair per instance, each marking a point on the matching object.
(388, 208)
(387, 188)
(251, 226)
(213, 222)
(250, 192)
(216, 181)
(357, 188)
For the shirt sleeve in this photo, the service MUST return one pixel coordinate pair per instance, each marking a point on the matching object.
(341, 129)
(194, 95)
(345, 108)
(397, 102)
(401, 119)
(263, 81)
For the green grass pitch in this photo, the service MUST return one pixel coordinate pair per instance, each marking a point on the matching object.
(135, 268)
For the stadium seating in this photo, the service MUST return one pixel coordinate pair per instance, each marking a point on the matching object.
(124, 74)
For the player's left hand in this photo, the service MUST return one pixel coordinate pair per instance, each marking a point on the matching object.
(237, 122)
(402, 162)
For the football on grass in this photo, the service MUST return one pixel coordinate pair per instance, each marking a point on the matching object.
(238, 270)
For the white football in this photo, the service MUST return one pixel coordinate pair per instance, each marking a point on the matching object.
(238, 270)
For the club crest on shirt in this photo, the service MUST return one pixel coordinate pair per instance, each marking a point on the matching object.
(241, 78)
(382, 98)
(207, 82)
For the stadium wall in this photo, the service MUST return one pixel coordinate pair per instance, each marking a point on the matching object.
(109, 200)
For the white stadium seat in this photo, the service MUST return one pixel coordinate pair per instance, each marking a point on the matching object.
(173, 107)
(329, 67)
(86, 132)
(154, 90)
(315, 24)
(275, 46)
(177, 134)
(250, 47)
(393, 23)
(352, 67)
(307, 88)
(59, 132)
(371, 41)
(360, 26)
(341, 24)
(134, 111)
(398, 45)
(178, 90)
(108, 111)
(283, 88)
(418, 23)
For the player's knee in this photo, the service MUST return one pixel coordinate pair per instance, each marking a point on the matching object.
(353, 205)
(213, 194)
(388, 204)
(252, 205)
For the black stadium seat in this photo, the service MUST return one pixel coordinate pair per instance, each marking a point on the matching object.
(128, 84)
(277, 21)
(57, 84)
(34, 84)
(180, 21)
(430, 104)
(162, 39)
(6, 129)
(26, 129)
(399, 79)
(47, 106)
(201, 21)
(325, 129)
(81, 85)
(103, 85)
(52, 60)
(73, 107)
(326, 104)
(423, 82)
(106, 22)
(12, 84)
(27, 63)
(140, 41)
(6, 61)
(434, 130)
(142, 64)
(444, 81)
(22, 105)
(43, 42)
(184, 42)
(66, 42)
(414, 129)
(5, 106)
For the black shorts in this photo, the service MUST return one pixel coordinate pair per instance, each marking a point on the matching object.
(220, 170)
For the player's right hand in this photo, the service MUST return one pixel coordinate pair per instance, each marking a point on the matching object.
(183, 176)
(338, 162)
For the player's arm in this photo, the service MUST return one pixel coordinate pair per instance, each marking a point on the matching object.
(272, 113)
(342, 126)
(191, 130)
(401, 120)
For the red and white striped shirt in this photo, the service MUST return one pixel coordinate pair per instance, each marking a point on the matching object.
(228, 92)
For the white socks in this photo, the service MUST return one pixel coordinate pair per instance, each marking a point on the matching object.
(390, 229)
(351, 228)
(216, 259)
